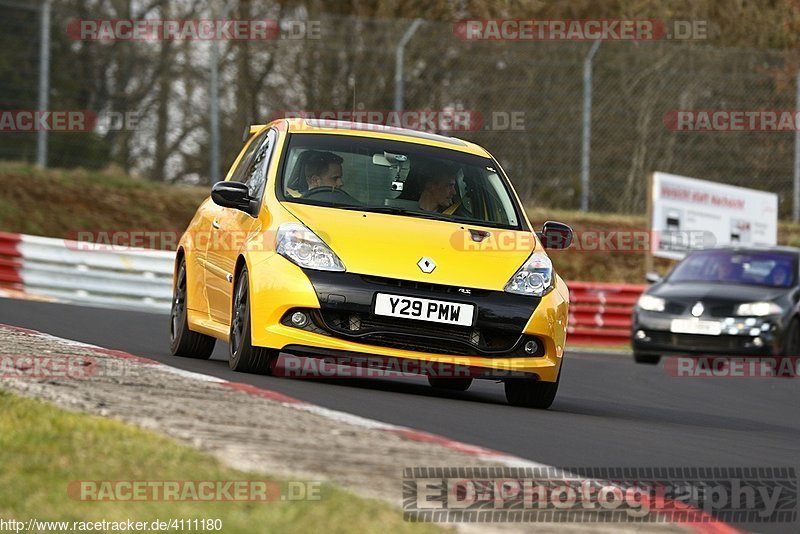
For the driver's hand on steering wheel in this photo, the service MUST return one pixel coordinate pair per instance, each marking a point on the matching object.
(334, 192)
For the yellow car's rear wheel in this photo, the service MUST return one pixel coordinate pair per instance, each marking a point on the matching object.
(242, 355)
(182, 341)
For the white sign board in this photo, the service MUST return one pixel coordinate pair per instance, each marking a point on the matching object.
(688, 213)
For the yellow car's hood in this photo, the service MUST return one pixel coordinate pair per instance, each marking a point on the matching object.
(391, 246)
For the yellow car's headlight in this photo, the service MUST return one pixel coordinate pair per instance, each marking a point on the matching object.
(300, 245)
(534, 278)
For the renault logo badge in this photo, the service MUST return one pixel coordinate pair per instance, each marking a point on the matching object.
(697, 309)
(426, 265)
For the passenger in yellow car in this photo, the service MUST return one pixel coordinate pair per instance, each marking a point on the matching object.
(433, 185)
(438, 191)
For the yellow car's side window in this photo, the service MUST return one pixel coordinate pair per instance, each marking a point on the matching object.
(240, 172)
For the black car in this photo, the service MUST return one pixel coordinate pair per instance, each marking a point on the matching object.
(738, 301)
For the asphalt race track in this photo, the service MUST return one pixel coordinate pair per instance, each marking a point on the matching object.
(609, 411)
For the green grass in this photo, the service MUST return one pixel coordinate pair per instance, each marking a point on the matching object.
(43, 449)
(60, 203)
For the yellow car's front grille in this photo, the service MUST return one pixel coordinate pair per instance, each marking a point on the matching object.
(410, 335)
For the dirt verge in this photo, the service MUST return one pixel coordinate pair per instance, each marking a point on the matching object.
(251, 430)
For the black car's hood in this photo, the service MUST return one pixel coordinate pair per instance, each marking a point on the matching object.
(715, 292)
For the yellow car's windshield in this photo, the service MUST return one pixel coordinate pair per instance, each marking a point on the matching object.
(406, 179)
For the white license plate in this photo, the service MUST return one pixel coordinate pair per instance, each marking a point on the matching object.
(437, 311)
(695, 326)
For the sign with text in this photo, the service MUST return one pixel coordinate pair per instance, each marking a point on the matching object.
(684, 208)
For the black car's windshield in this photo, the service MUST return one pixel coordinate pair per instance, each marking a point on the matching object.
(405, 179)
(755, 268)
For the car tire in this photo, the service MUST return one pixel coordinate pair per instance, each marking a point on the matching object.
(242, 355)
(531, 393)
(649, 359)
(182, 341)
(791, 346)
(452, 384)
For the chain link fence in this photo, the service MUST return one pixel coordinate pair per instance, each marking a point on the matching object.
(529, 95)
(20, 73)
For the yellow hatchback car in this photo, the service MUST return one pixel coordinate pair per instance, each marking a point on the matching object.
(345, 242)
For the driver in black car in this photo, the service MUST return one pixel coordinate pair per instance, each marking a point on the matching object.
(324, 169)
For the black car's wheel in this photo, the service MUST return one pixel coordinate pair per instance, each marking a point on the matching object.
(791, 349)
(531, 393)
(650, 359)
(453, 384)
(791, 343)
(242, 355)
(182, 341)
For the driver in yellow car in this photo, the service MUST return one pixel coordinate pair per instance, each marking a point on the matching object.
(324, 169)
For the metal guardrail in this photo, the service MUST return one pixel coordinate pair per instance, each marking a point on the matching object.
(600, 313)
(132, 278)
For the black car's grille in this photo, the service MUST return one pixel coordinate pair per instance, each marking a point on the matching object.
(722, 310)
(412, 335)
(675, 308)
(718, 310)
(698, 342)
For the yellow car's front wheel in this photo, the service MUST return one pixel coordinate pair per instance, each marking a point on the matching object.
(242, 355)
(453, 384)
(531, 393)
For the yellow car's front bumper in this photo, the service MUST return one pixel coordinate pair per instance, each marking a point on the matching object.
(277, 287)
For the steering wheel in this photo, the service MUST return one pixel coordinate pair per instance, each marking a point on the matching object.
(334, 195)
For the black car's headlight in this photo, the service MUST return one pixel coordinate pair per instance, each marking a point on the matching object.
(534, 278)
(651, 303)
(758, 309)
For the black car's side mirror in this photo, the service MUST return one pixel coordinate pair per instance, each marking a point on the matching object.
(652, 277)
(555, 235)
(234, 195)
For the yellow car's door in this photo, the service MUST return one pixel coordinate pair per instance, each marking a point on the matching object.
(231, 228)
(229, 232)
(199, 234)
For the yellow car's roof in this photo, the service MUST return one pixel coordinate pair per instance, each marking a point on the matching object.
(316, 126)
